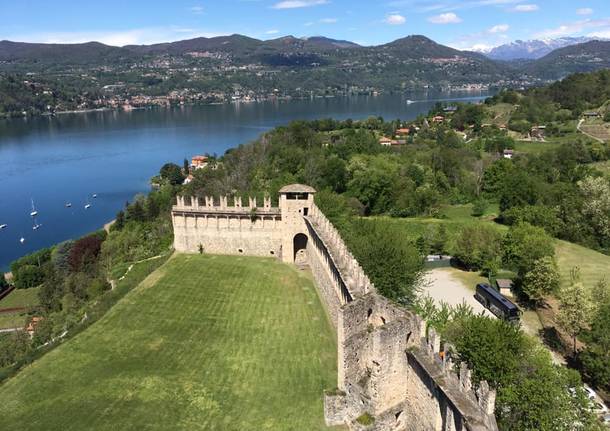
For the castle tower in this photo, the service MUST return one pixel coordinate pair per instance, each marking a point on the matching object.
(296, 201)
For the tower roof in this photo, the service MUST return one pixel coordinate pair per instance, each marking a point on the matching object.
(297, 188)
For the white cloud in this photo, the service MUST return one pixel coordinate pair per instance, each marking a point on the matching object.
(140, 36)
(500, 28)
(328, 20)
(425, 6)
(197, 10)
(272, 32)
(575, 28)
(445, 18)
(584, 11)
(395, 19)
(295, 4)
(526, 8)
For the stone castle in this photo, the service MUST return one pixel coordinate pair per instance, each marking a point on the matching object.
(389, 368)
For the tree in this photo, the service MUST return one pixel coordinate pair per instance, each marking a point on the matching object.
(3, 282)
(532, 393)
(541, 280)
(119, 221)
(84, 253)
(391, 261)
(595, 358)
(439, 239)
(523, 245)
(479, 207)
(172, 173)
(596, 204)
(575, 307)
(186, 166)
(476, 245)
(28, 276)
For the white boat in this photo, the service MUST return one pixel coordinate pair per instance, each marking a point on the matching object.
(36, 226)
(94, 196)
(34, 213)
(68, 205)
(410, 102)
(87, 206)
(3, 226)
(22, 240)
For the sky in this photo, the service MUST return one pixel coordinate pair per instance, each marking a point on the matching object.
(462, 24)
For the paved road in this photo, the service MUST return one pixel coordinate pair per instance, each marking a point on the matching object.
(442, 286)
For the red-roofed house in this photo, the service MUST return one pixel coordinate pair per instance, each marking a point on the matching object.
(199, 162)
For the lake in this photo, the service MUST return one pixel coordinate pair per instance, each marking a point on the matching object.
(68, 158)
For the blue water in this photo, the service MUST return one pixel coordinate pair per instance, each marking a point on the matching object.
(68, 158)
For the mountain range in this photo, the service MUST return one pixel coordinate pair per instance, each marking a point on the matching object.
(531, 49)
(408, 62)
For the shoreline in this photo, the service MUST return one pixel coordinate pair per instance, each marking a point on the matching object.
(490, 92)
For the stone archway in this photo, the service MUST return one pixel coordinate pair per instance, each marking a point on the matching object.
(299, 243)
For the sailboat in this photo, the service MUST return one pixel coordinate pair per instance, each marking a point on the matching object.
(36, 225)
(34, 213)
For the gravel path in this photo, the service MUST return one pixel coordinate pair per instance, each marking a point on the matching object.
(441, 285)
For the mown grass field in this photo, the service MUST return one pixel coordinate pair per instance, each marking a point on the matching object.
(593, 265)
(16, 299)
(21, 298)
(205, 342)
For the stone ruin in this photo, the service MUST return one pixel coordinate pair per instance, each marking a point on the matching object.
(389, 370)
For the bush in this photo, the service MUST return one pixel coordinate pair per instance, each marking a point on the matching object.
(365, 419)
(476, 245)
(28, 276)
(388, 257)
(84, 252)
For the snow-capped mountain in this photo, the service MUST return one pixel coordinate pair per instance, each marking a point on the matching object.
(531, 49)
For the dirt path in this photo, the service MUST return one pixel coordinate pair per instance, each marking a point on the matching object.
(587, 134)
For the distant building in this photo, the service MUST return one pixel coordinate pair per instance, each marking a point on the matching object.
(188, 179)
(385, 141)
(199, 162)
(504, 286)
(403, 132)
(438, 119)
(31, 327)
(591, 114)
(450, 109)
(508, 154)
(537, 133)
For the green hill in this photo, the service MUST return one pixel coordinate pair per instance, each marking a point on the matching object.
(205, 342)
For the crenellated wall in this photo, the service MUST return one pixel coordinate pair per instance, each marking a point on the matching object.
(223, 229)
(387, 366)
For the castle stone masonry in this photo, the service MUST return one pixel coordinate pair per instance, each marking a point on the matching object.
(387, 366)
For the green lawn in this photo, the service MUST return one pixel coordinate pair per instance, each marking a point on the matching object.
(21, 298)
(18, 298)
(593, 265)
(205, 342)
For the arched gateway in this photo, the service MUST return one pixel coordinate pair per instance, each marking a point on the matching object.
(202, 224)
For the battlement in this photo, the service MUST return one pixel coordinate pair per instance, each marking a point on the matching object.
(352, 275)
(225, 204)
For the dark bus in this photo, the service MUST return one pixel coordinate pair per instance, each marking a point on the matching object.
(495, 302)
